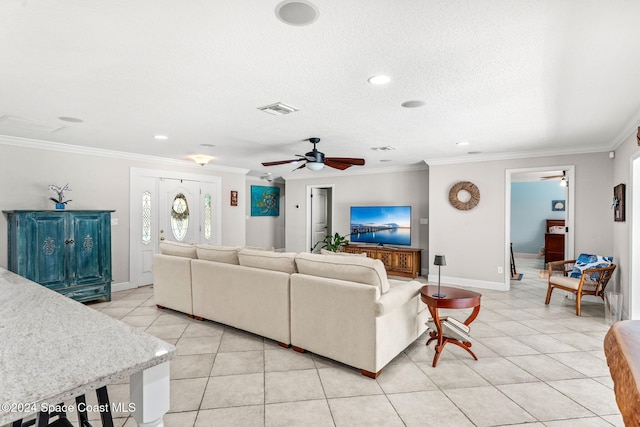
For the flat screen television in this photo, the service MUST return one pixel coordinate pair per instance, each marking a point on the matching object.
(386, 225)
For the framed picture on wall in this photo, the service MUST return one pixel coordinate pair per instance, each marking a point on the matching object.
(557, 205)
(265, 201)
(234, 198)
(618, 203)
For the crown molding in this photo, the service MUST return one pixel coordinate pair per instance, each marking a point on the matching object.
(476, 158)
(100, 152)
(626, 133)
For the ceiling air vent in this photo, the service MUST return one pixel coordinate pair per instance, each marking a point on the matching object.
(385, 148)
(278, 109)
(15, 123)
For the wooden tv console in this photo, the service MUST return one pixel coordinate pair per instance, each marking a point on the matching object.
(397, 261)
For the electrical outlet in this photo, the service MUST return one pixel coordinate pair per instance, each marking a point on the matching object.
(500, 270)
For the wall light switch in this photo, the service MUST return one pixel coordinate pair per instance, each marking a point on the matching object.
(114, 221)
(500, 270)
(424, 221)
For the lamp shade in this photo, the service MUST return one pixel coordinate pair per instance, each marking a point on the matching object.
(315, 166)
(439, 260)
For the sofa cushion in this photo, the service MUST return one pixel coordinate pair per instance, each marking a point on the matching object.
(357, 269)
(587, 262)
(276, 261)
(178, 249)
(327, 252)
(225, 254)
(259, 248)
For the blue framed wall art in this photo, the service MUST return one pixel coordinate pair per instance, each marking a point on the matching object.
(265, 201)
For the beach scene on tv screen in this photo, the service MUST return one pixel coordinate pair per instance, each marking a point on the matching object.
(389, 225)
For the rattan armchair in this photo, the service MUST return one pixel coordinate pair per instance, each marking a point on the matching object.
(591, 282)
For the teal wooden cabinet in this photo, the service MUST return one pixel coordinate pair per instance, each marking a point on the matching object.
(68, 251)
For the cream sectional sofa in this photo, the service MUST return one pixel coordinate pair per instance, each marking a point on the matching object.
(338, 306)
(345, 308)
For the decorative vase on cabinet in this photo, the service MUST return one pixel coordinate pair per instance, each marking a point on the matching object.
(66, 251)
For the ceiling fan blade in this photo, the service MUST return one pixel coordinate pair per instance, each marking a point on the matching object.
(280, 162)
(336, 165)
(300, 167)
(346, 160)
(551, 177)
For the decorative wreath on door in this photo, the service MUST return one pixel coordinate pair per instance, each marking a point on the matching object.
(469, 187)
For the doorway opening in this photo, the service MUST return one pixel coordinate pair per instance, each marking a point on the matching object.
(558, 209)
(634, 255)
(319, 222)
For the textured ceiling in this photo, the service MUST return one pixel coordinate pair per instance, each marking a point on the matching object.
(513, 78)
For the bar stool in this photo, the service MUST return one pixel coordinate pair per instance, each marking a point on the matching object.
(43, 418)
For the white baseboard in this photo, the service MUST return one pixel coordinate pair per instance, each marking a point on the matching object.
(124, 286)
(472, 283)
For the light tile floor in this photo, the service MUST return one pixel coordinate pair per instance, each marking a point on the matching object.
(538, 365)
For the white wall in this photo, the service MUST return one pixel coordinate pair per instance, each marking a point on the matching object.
(474, 241)
(97, 183)
(622, 230)
(264, 231)
(393, 188)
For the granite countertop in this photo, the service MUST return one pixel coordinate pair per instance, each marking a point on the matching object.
(53, 348)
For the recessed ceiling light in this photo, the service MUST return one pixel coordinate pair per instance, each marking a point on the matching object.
(162, 137)
(385, 160)
(379, 79)
(413, 104)
(298, 13)
(207, 145)
(70, 119)
(462, 143)
(474, 152)
(384, 148)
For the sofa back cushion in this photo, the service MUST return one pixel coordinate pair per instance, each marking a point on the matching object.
(260, 248)
(357, 269)
(267, 260)
(225, 254)
(178, 249)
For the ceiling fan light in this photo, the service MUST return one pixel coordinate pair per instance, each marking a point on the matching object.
(314, 166)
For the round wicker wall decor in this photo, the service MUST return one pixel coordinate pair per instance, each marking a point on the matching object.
(469, 187)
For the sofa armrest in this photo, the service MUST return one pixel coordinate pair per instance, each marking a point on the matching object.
(172, 282)
(398, 295)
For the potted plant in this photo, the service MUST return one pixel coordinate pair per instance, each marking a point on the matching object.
(60, 202)
(332, 243)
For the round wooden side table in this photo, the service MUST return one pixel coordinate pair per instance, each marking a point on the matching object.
(454, 299)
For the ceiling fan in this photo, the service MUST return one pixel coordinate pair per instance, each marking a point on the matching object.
(316, 160)
(563, 178)
(543, 178)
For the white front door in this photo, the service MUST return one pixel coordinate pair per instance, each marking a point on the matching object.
(319, 217)
(179, 216)
(153, 204)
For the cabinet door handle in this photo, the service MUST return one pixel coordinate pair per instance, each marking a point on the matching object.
(69, 242)
(162, 238)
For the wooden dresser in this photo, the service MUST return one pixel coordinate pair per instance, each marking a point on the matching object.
(68, 251)
(403, 262)
(554, 242)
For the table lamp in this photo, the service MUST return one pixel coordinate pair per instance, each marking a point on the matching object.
(439, 261)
